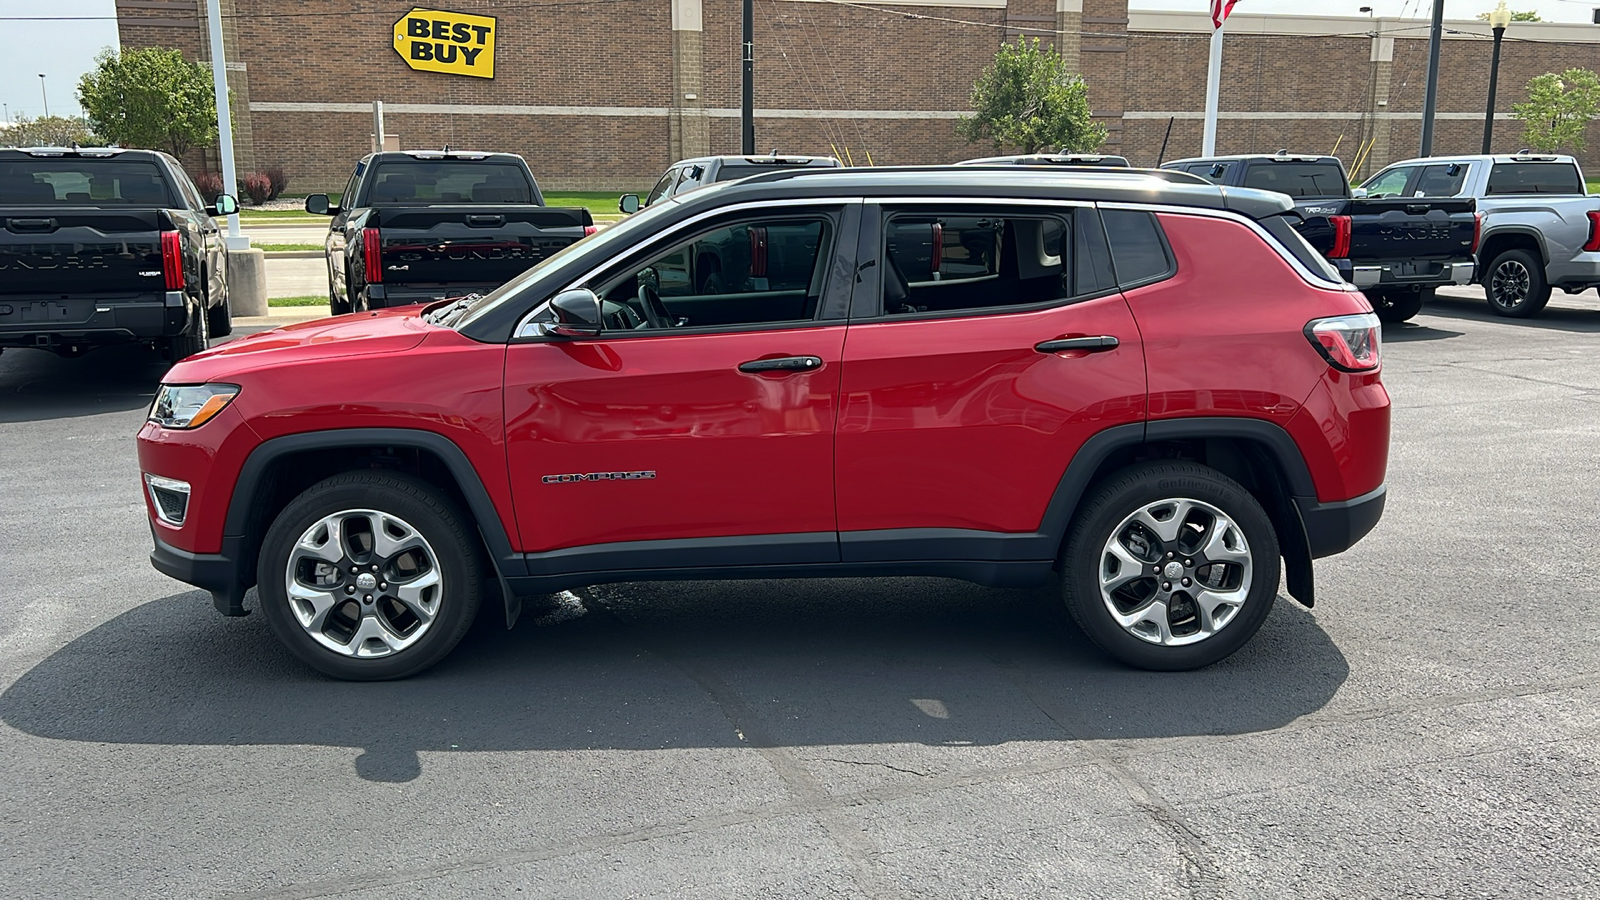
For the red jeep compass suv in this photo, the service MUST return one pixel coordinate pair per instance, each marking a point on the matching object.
(1155, 391)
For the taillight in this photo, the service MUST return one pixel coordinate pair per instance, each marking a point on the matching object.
(172, 260)
(372, 250)
(1477, 229)
(1348, 343)
(1593, 243)
(1341, 237)
(589, 229)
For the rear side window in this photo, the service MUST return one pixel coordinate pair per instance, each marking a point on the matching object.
(1298, 179)
(1138, 248)
(1534, 178)
(84, 182)
(424, 183)
(1215, 173)
(1284, 232)
(1440, 181)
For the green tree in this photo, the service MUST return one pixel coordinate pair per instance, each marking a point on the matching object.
(49, 131)
(1517, 15)
(1558, 109)
(1027, 99)
(150, 98)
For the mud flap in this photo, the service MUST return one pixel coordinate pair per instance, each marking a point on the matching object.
(1298, 574)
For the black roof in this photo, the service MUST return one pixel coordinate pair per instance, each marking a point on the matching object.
(982, 183)
(79, 152)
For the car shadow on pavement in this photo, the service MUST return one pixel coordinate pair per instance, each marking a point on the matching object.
(37, 385)
(1556, 316)
(1408, 332)
(655, 666)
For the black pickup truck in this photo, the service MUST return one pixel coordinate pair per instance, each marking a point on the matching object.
(420, 225)
(1396, 249)
(108, 246)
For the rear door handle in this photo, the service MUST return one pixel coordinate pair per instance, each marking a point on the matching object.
(1091, 344)
(783, 364)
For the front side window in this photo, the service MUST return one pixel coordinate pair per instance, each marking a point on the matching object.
(1534, 178)
(1390, 183)
(660, 190)
(1298, 179)
(752, 271)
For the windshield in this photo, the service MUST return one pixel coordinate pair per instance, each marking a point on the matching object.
(620, 234)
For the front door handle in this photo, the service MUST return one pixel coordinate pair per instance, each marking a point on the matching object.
(783, 364)
(1090, 344)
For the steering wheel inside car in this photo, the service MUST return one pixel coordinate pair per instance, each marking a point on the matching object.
(655, 312)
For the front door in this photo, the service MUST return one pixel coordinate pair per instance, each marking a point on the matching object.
(958, 416)
(700, 422)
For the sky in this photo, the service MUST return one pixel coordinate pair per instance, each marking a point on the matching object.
(64, 50)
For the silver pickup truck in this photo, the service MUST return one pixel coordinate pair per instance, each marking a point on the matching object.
(1540, 227)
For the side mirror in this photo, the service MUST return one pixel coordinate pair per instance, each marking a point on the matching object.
(317, 205)
(577, 314)
(629, 204)
(224, 205)
(1358, 193)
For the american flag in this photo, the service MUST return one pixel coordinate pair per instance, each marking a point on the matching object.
(1220, 10)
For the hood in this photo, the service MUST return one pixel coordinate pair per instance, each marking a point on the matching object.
(384, 331)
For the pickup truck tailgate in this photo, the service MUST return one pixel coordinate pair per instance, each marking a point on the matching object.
(56, 253)
(463, 244)
(1412, 228)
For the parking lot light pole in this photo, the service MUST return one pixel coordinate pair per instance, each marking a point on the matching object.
(219, 83)
(747, 113)
(1499, 18)
(1430, 99)
(45, 94)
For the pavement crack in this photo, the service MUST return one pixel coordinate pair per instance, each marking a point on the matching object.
(861, 762)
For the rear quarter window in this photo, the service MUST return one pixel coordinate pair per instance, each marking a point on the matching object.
(1534, 178)
(1139, 251)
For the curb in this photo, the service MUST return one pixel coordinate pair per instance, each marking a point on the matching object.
(292, 254)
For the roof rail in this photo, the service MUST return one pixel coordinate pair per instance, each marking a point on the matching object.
(1096, 172)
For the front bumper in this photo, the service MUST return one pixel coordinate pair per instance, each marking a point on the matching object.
(1387, 276)
(1336, 527)
(220, 573)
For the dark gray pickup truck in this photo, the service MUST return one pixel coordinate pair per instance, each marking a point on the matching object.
(421, 225)
(108, 246)
(1396, 249)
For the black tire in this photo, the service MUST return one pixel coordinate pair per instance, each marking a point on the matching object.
(195, 338)
(1515, 284)
(219, 318)
(446, 533)
(1397, 305)
(338, 305)
(1086, 552)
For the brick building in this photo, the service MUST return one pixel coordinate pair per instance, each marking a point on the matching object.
(604, 94)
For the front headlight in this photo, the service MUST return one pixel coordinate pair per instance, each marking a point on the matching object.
(190, 405)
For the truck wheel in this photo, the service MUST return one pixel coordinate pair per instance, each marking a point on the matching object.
(368, 576)
(337, 305)
(220, 317)
(1515, 285)
(195, 338)
(1170, 566)
(1396, 305)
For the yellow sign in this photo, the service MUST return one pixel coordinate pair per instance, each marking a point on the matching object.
(431, 40)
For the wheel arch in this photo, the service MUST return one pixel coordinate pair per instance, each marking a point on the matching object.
(1258, 454)
(280, 469)
(1509, 237)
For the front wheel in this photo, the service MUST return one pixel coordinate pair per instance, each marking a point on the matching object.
(1515, 285)
(368, 576)
(1170, 566)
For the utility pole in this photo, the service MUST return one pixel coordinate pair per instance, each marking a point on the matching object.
(1431, 98)
(219, 83)
(747, 113)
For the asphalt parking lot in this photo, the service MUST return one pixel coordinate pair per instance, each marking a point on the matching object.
(1430, 729)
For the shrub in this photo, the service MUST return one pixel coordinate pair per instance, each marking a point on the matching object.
(278, 179)
(257, 187)
(210, 185)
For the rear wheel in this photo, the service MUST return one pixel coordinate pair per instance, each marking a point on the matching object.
(1170, 566)
(220, 317)
(1515, 285)
(369, 576)
(195, 338)
(1398, 305)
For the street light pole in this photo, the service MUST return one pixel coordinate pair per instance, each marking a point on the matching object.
(45, 94)
(1499, 18)
(1430, 99)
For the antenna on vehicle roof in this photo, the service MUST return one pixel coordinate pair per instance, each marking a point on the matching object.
(1283, 151)
(446, 149)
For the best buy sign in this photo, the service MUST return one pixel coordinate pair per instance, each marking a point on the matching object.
(431, 40)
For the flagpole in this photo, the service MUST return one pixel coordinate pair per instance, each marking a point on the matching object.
(1208, 144)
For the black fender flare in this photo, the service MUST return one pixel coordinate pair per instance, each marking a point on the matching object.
(1527, 231)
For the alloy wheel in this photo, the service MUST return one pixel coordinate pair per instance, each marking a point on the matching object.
(1175, 572)
(364, 583)
(1510, 284)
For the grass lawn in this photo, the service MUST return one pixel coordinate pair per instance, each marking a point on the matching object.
(270, 248)
(1594, 185)
(601, 203)
(316, 300)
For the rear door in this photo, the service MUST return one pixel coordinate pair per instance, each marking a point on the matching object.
(990, 346)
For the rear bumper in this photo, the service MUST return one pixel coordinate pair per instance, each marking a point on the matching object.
(47, 323)
(1385, 276)
(219, 573)
(1336, 527)
(1576, 274)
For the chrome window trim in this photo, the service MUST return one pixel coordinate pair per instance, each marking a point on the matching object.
(521, 331)
(1305, 274)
